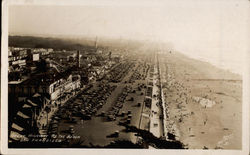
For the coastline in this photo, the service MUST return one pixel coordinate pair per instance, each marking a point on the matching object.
(202, 104)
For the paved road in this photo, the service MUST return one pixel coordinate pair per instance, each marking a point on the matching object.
(155, 122)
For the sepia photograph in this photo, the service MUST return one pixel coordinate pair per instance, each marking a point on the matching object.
(148, 75)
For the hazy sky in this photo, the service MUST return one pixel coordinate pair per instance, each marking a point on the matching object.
(213, 30)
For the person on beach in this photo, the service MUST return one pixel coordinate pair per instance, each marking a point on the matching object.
(205, 122)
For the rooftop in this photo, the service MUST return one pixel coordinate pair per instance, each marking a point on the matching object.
(46, 78)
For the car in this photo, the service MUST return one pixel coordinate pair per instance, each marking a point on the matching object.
(116, 134)
(120, 122)
(72, 120)
(103, 113)
(161, 116)
(94, 110)
(128, 120)
(123, 113)
(131, 99)
(86, 117)
(120, 105)
(111, 118)
(129, 111)
(71, 131)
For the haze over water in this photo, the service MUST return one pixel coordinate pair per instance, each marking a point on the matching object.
(214, 31)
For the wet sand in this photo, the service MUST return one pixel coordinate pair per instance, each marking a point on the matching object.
(204, 103)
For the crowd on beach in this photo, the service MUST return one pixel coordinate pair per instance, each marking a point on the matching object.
(177, 95)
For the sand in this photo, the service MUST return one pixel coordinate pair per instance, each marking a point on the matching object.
(204, 103)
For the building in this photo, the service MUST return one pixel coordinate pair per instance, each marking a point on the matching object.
(25, 117)
(17, 56)
(52, 83)
(31, 100)
(20, 56)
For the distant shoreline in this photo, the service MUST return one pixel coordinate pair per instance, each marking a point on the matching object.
(204, 59)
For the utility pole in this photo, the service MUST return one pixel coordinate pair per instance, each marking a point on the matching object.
(96, 45)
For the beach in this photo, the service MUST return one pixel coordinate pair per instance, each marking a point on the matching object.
(204, 103)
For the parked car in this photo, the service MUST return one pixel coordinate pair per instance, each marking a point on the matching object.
(111, 118)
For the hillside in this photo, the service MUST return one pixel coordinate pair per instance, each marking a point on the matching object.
(70, 43)
(41, 42)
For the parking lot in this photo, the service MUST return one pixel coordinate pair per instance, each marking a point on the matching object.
(108, 103)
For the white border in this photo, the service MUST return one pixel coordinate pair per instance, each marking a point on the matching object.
(4, 87)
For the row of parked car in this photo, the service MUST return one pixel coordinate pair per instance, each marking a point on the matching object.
(84, 106)
(119, 72)
(94, 100)
(140, 73)
(114, 111)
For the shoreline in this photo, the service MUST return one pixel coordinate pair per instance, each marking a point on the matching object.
(201, 109)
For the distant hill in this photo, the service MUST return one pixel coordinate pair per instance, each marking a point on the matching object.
(41, 42)
(69, 43)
